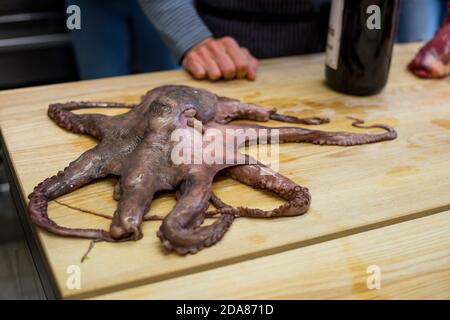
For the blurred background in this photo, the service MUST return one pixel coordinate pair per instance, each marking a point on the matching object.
(36, 48)
(35, 45)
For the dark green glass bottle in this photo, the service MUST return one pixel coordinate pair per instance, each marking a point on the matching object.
(361, 36)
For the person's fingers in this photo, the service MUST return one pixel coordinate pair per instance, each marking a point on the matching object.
(237, 55)
(222, 59)
(193, 64)
(253, 65)
(217, 58)
(212, 69)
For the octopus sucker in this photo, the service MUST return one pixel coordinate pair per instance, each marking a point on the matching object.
(137, 148)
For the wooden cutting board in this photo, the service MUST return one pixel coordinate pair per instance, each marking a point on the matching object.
(411, 260)
(354, 189)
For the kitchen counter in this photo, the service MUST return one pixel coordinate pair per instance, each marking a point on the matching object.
(384, 205)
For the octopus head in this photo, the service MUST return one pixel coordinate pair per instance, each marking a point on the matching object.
(163, 114)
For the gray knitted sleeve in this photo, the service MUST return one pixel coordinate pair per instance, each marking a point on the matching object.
(177, 22)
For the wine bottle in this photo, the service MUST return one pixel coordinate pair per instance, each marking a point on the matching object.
(361, 35)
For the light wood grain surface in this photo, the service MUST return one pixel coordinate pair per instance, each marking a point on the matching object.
(411, 260)
(353, 189)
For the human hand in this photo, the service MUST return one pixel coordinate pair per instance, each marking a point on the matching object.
(217, 58)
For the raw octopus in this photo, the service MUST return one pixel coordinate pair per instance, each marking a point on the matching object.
(137, 148)
(433, 59)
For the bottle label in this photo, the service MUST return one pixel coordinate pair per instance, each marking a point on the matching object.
(334, 33)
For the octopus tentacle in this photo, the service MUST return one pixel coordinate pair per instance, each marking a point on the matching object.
(134, 202)
(80, 172)
(117, 191)
(339, 138)
(352, 139)
(259, 176)
(231, 109)
(358, 123)
(98, 214)
(90, 124)
(181, 230)
(152, 217)
(292, 119)
(217, 202)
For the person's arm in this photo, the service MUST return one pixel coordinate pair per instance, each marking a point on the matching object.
(178, 23)
(187, 36)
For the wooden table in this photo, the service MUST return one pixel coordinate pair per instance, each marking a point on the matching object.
(382, 206)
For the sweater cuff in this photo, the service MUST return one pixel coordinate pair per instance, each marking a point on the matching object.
(178, 24)
(189, 40)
